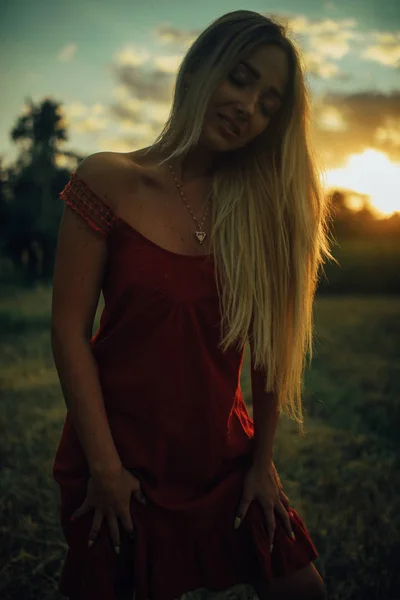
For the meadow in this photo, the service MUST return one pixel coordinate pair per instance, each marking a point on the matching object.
(343, 477)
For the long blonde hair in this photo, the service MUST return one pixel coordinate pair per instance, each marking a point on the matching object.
(269, 232)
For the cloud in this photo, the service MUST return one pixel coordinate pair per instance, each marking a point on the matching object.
(150, 78)
(386, 50)
(116, 143)
(316, 66)
(129, 55)
(321, 40)
(155, 85)
(168, 64)
(144, 92)
(330, 38)
(322, 43)
(342, 123)
(346, 124)
(389, 133)
(133, 57)
(167, 34)
(127, 107)
(331, 119)
(67, 53)
(80, 118)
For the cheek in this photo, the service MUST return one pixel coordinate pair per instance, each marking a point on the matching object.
(221, 96)
(258, 128)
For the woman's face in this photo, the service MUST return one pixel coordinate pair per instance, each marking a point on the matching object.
(257, 86)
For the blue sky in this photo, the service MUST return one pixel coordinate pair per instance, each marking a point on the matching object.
(112, 66)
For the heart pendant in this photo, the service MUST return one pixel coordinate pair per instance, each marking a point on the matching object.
(201, 236)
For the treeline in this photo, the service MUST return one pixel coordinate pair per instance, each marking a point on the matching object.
(368, 249)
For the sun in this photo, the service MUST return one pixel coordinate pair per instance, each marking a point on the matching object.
(373, 174)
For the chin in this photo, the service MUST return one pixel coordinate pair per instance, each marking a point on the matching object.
(213, 141)
(219, 144)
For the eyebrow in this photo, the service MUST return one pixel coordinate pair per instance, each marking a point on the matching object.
(257, 75)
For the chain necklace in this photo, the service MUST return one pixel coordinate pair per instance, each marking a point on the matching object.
(200, 235)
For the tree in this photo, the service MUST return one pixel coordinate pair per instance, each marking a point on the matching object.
(34, 184)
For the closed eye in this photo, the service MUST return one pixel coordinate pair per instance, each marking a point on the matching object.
(241, 84)
(237, 81)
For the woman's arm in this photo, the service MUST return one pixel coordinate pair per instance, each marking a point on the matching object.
(265, 417)
(78, 273)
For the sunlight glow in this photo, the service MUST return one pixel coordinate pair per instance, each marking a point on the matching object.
(373, 174)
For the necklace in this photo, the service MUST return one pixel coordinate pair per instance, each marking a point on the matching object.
(200, 235)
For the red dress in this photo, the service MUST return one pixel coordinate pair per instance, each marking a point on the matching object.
(180, 424)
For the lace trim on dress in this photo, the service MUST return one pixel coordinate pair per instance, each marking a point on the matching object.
(78, 196)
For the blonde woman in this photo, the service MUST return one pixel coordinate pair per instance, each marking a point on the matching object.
(210, 238)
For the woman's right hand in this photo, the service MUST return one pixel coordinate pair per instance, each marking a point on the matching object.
(110, 498)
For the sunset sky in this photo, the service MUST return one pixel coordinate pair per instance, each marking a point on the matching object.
(112, 66)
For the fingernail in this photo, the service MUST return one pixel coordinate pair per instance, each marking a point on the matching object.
(271, 548)
(292, 536)
(116, 548)
(90, 543)
(238, 520)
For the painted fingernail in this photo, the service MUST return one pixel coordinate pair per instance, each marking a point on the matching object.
(90, 543)
(116, 548)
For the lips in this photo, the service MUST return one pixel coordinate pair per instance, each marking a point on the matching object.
(235, 128)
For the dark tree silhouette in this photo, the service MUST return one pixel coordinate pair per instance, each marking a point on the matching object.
(33, 214)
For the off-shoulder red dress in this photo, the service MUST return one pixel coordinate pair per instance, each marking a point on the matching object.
(180, 424)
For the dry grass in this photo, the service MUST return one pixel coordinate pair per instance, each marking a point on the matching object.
(343, 478)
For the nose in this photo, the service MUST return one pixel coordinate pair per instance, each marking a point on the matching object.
(247, 107)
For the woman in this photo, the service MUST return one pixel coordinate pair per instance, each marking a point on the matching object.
(209, 238)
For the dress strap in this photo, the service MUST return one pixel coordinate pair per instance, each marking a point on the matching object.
(78, 196)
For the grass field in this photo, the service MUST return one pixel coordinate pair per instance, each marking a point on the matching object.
(343, 478)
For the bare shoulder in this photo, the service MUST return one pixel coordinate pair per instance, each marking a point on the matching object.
(108, 173)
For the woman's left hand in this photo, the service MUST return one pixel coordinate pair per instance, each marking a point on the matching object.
(264, 485)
